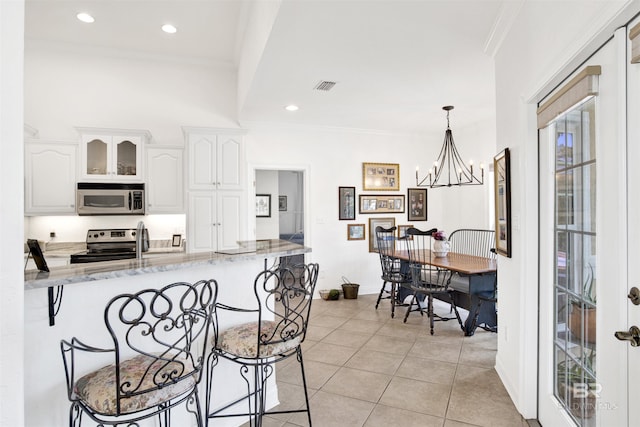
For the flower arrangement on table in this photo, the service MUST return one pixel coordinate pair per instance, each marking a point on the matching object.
(441, 246)
(439, 235)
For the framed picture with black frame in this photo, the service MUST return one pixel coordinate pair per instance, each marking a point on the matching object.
(502, 182)
(346, 203)
(36, 253)
(263, 205)
(417, 204)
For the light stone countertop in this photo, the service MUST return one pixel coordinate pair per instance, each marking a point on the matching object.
(77, 273)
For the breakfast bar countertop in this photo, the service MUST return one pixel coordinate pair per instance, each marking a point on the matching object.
(78, 273)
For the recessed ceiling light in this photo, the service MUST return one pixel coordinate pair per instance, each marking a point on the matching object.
(291, 107)
(168, 28)
(85, 17)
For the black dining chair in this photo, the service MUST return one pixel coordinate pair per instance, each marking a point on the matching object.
(391, 267)
(426, 279)
(268, 330)
(158, 356)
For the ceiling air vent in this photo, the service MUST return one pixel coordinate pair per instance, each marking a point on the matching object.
(324, 85)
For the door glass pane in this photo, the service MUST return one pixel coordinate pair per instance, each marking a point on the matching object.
(126, 152)
(575, 263)
(96, 157)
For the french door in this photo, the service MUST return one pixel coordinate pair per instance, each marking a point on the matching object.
(583, 368)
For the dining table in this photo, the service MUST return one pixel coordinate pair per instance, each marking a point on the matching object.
(479, 296)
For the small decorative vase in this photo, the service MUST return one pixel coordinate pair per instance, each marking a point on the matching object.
(441, 248)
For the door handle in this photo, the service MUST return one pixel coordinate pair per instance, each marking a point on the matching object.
(634, 295)
(633, 336)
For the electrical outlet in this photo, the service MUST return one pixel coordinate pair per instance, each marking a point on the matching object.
(52, 234)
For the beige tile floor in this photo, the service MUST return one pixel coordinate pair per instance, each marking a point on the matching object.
(365, 369)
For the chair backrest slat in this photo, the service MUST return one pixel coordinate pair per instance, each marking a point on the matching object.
(473, 242)
(386, 243)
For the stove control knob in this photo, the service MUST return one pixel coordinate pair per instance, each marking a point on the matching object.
(102, 233)
(95, 236)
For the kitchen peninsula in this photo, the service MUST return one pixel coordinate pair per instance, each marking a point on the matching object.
(89, 287)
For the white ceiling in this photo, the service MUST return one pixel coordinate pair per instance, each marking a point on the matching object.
(396, 63)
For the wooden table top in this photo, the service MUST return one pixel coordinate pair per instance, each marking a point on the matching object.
(461, 263)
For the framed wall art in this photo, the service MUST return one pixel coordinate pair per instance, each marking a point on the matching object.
(502, 180)
(375, 222)
(402, 232)
(282, 203)
(355, 232)
(263, 205)
(346, 203)
(380, 176)
(417, 204)
(381, 203)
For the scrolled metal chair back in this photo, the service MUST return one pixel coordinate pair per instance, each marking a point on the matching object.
(161, 327)
(289, 293)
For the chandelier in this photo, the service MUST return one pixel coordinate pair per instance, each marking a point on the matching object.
(449, 169)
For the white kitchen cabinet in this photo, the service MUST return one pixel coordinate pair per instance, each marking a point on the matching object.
(215, 220)
(216, 160)
(50, 177)
(165, 182)
(112, 154)
(217, 198)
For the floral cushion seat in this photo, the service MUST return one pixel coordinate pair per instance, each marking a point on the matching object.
(98, 389)
(242, 340)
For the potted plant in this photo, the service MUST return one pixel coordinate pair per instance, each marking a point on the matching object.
(580, 313)
(574, 388)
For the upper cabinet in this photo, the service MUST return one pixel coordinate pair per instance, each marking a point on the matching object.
(165, 189)
(50, 178)
(215, 159)
(112, 154)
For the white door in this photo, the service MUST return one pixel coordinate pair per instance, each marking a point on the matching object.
(633, 221)
(583, 236)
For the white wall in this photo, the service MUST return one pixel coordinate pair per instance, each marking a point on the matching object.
(64, 89)
(267, 183)
(11, 214)
(289, 186)
(546, 42)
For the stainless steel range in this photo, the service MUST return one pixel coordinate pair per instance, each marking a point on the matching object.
(110, 244)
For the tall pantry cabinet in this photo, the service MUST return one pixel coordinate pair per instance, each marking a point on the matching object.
(216, 190)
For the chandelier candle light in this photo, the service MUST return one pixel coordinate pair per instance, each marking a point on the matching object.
(450, 159)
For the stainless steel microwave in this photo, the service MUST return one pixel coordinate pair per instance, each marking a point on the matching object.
(97, 198)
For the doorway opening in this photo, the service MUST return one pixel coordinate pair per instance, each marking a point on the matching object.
(286, 220)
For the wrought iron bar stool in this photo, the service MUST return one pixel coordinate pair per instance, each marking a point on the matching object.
(159, 344)
(392, 272)
(279, 319)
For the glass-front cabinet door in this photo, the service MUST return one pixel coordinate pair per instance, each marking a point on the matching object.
(112, 156)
